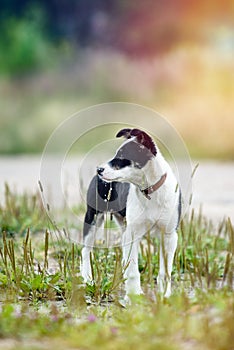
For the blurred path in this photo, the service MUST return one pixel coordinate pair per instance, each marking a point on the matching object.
(213, 185)
(213, 188)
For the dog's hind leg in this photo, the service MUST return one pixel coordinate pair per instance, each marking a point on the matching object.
(168, 246)
(89, 233)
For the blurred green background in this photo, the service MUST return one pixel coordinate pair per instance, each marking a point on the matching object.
(58, 56)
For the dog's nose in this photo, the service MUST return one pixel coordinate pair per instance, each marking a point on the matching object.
(100, 171)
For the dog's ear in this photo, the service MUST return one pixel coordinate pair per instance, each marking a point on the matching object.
(144, 139)
(125, 133)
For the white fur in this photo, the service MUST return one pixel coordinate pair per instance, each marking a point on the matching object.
(159, 215)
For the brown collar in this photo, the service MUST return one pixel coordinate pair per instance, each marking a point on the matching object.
(154, 187)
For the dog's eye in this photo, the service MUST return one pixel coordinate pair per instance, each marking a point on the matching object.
(118, 163)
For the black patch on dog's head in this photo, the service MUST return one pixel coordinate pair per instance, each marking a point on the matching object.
(119, 163)
(141, 137)
(138, 151)
(135, 153)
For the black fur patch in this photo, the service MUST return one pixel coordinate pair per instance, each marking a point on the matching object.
(137, 154)
(141, 137)
(119, 163)
(103, 197)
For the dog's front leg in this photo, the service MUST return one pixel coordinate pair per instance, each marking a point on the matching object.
(89, 232)
(91, 226)
(130, 263)
(86, 271)
(168, 246)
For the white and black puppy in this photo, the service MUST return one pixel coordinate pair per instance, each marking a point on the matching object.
(139, 188)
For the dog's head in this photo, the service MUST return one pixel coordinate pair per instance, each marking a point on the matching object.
(131, 158)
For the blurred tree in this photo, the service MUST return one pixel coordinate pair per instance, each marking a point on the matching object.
(23, 43)
(135, 27)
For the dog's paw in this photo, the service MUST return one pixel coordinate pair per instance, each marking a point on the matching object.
(87, 279)
(130, 299)
(133, 285)
(132, 289)
(126, 301)
(164, 286)
(86, 274)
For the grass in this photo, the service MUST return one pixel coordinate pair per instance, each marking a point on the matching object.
(44, 302)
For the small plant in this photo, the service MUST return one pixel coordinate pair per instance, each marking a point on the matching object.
(107, 276)
(28, 277)
(21, 211)
(204, 255)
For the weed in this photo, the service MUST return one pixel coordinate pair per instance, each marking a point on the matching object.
(43, 295)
